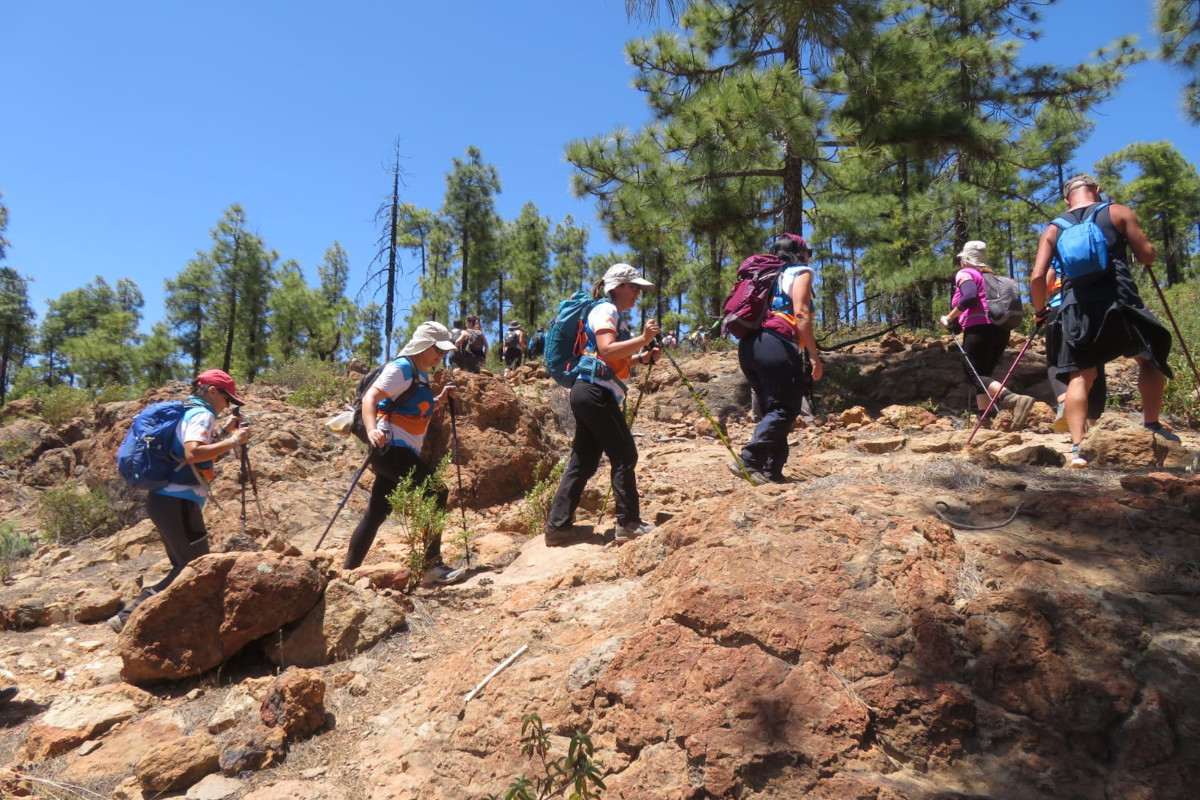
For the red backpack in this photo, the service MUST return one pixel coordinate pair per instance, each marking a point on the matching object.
(749, 301)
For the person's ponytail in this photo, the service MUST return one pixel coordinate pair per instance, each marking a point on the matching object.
(598, 290)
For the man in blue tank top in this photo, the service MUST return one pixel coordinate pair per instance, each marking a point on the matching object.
(1104, 319)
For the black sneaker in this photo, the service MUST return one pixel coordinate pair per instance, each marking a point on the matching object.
(756, 477)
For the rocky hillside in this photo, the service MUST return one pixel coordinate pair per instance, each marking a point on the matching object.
(909, 618)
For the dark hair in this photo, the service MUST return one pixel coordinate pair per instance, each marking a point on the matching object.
(458, 323)
(598, 290)
(471, 320)
(791, 248)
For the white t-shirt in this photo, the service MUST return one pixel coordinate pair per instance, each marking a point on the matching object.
(605, 317)
(198, 424)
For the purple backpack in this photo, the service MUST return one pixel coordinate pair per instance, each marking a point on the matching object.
(749, 301)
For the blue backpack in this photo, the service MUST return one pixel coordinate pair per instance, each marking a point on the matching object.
(144, 458)
(1081, 253)
(567, 339)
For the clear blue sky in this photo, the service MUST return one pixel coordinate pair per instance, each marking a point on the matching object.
(126, 129)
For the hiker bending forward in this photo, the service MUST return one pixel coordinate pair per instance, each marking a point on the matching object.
(176, 509)
(396, 436)
(773, 364)
(596, 398)
(983, 341)
(1104, 319)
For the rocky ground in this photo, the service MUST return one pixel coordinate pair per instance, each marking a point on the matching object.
(909, 618)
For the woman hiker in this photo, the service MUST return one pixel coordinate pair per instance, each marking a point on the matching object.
(983, 342)
(396, 436)
(773, 363)
(596, 398)
(176, 508)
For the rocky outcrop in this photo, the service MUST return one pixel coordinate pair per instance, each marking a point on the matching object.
(217, 605)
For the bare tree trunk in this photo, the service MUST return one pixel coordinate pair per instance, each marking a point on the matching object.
(390, 305)
(231, 323)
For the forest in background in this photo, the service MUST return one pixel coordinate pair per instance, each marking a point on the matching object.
(888, 134)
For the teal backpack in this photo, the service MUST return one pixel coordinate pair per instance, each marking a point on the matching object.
(567, 339)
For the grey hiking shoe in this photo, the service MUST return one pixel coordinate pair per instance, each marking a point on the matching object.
(1158, 429)
(756, 478)
(441, 575)
(116, 622)
(560, 537)
(627, 533)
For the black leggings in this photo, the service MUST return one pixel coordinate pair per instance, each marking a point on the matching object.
(181, 527)
(389, 467)
(599, 429)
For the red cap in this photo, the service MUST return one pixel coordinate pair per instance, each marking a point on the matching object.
(797, 239)
(220, 379)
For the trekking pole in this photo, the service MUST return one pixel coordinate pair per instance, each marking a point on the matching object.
(974, 372)
(1182, 343)
(247, 474)
(458, 468)
(242, 477)
(1036, 327)
(696, 396)
(346, 497)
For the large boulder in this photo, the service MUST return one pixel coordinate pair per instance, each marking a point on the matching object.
(347, 620)
(216, 606)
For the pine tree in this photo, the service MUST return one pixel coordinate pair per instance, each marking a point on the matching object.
(190, 303)
(1178, 23)
(16, 321)
(469, 209)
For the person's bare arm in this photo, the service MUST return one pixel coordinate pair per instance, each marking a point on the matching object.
(801, 295)
(1039, 278)
(1125, 221)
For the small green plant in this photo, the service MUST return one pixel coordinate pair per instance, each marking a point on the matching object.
(12, 546)
(12, 450)
(61, 404)
(929, 404)
(313, 383)
(115, 393)
(577, 772)
(70, 512)
(415, 506)
(536, 508)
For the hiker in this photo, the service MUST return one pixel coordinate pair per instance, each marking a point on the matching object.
(176, 509)
(772, 361)
(396, 436)
(459, 338)
(514, 346)
(1057, 377)
(983, 341)
(596, 397)
(1102, 316)
(537, 343)
(670, 340)
(476, 347)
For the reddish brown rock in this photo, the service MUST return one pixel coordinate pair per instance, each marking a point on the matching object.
(295, 703)
(217, 605)
(178, 764)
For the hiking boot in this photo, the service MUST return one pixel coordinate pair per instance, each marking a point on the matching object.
(1158, 429)
(756, 478)
(117, 622)
(1021, 410)
(627, 533)
(1019, 405)
(441, 575)
(561, 537)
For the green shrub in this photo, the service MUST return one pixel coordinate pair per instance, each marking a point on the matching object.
(578, 772)
(13, 450)
(313, 383)
(415, 507)
(1183, 299)
(61, 404)
(12, 546)
(115, 393)
(536, 508)
(70, 512)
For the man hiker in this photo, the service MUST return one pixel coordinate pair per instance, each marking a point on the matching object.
(1102, 314)
(459, 338)
(396, 436)
(476, 350)
(537, 343)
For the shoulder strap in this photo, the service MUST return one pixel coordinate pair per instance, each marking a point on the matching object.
(1099, 207)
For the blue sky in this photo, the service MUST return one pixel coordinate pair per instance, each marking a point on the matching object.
(127, 128)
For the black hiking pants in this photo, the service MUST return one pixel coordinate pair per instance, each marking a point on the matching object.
(389, 467)
(599, 429)
(775, 370)
(180, 525)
